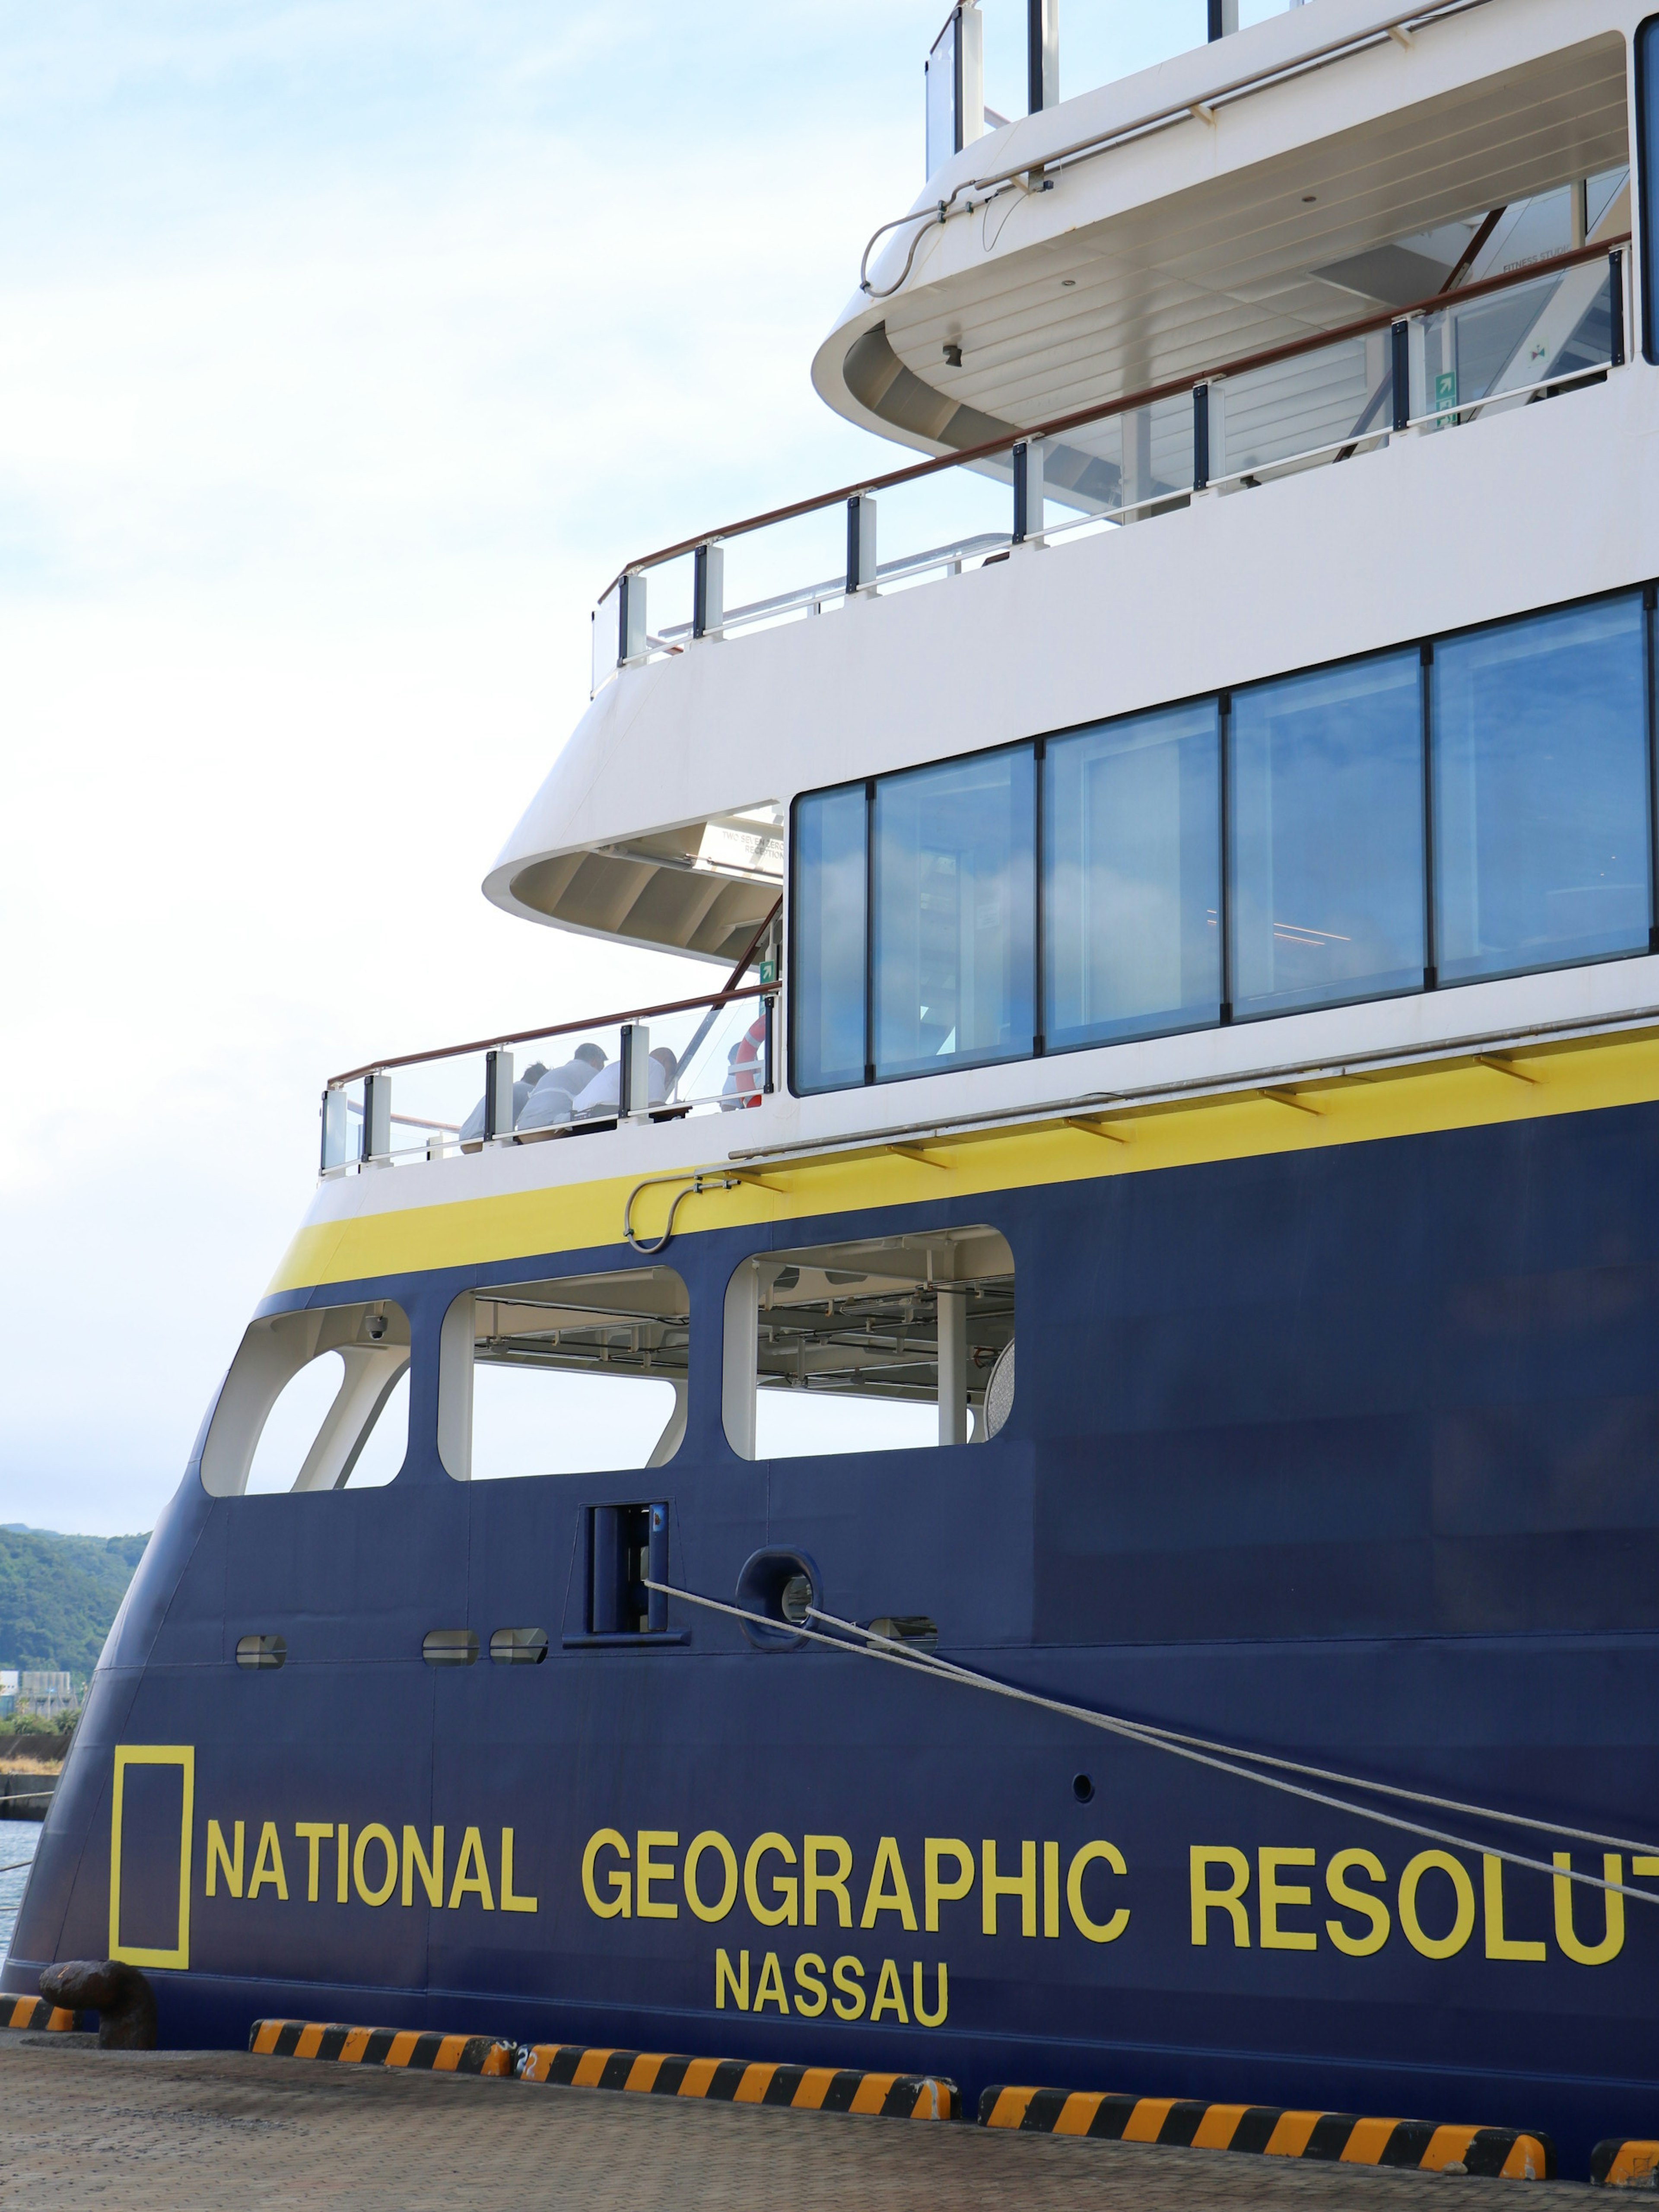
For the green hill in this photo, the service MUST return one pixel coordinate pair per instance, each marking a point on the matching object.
(59, 1593)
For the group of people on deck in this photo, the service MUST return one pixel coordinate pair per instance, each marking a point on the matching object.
(549, 1101)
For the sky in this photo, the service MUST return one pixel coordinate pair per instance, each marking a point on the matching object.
(346, 351)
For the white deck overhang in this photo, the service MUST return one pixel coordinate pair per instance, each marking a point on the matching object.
(1198, 241)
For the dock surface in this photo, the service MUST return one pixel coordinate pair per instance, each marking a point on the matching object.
(201, 2131)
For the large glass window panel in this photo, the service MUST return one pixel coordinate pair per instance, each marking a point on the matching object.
(1132, 862)
(1540, 791)
(1327, 805)
(828, 927)
(955, 898)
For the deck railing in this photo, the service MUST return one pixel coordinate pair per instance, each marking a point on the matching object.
(713, 1055)
(1322, 401)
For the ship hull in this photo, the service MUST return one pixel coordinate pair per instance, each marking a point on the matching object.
(1346, 1455)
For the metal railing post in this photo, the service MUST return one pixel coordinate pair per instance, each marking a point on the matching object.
(633, 1073)
(1028, 490)
(377, 1117)
(860, 544)
(1041, 54)
(1400, 342)
(1200, 437)
(1616, 292)
(630, 618)
(498, 1096)
(708, 590)
(1223, 18)
(769, 1017)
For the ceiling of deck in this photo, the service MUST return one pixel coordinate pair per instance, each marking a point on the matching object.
(1188, 281)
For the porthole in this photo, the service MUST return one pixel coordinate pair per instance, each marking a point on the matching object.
(1082, 1788)
(450, 1647)
(518, 1647)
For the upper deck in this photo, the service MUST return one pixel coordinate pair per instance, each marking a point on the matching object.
(1325, 885)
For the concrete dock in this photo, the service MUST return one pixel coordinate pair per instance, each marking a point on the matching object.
(222, 2131)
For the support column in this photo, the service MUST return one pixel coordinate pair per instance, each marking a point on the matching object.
(456, 1351)
(953, 1364)
(740, 1361)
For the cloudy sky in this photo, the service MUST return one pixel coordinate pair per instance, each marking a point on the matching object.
(345, 348)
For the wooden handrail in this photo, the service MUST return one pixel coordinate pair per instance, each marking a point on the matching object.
(1268, 358)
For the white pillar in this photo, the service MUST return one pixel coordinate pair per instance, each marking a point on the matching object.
(952, 1365)
(456, 1351)
(673, 1435)
(740, 1364)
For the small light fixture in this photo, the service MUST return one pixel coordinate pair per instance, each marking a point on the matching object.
(953, 356)
(1067, 284)
(1309, 199)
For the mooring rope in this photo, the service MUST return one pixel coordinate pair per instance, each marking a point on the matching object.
(893, 1653)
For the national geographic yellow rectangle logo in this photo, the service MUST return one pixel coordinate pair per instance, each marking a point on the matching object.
(143, 1837)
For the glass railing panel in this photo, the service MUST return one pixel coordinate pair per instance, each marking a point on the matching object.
(1514, 341)
(942, 524)
(1341, 395)
(786, 570)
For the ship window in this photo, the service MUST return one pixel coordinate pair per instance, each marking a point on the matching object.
(572, 1374)
(827, 965)
(1539, 732)
(955, 910)
(314, 1400)
(1325, 787)
(1132, 889)
(879, 1344)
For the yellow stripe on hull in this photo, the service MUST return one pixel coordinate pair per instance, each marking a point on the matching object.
(1362, 1109)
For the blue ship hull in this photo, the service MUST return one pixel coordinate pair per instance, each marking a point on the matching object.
(1350, 1456)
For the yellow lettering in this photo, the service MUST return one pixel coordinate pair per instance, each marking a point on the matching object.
(431, 1873)
(1613, 1942)
(374, 1833)
(770, 1985)
(268, 1864)
(1498, 1945)
(647, 1870)
(509, 1902)
(815, 1885)
(476, 1884)
(1438, 1947)
(311, 1833)
(342, 1865)
(847, 1975)
(994, 1885)
(218, 1856)
(622, 1882)
(808, 1967)
(925, 2017)
(723, 1978)
(1205, 1900)
(1356, 1900)
(783, 1885)
(1275, 1893)
(1095, 1931)
(935, 1893)
(1051, 1889)
(710, 1840)
(879, 1900)
(889, 1997)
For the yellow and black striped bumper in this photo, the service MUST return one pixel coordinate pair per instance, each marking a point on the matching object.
(381, 2047)
(37, 2013)
(1341, 2137)
(739, 2082)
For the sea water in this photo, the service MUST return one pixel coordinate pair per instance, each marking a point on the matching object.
(17, 1841)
